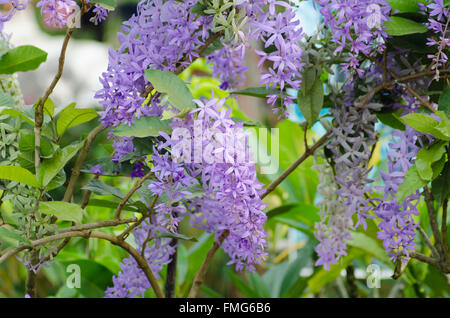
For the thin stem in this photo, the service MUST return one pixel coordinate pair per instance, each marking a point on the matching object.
(80, 161)
(427, 240)
(444, 230)
(39, 112)
(433, 220)
(142, 263)
(125, 233)
(127, 197)
(289, 170)
(171, 277)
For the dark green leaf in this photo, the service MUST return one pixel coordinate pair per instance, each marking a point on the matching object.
(166, 82)
(401, 26)
(143, 127)
(21, 59)
(260, 92)
(101, 188)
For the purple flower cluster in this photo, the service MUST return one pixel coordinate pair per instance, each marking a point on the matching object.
(228, 65)
(356, 26)
(56, 12)
(131, 281)
(215, 185)
(162, 35)
(221, 163)
(282, 34)
(100, 14)
(397, 226)
(333, 230)
(438, 23)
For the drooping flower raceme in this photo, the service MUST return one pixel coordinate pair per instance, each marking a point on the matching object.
(333, 230)
(397, 226)
(221, 161)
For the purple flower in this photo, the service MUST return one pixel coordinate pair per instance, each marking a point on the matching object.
(100, 14)
(97, 169)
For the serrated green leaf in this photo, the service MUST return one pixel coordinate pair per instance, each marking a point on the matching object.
(166, 82)
(19, 174)
(21, 59)
(62, 210)
(143, 127)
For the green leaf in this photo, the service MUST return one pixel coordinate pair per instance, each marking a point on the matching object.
(7, 233)
(426, 157)
(50, 168)
(107, 4)
(26, 144)
(411, 183)
(111, 204)
(95, 277)
(405, 5)
(19, 174)
(444, 101)
(177, 236)
(311, 101)
(57, 181)
(323, 277)
(71, 116)
(440, 186)
(241, 285)
(49, 107)
(21, 59)
(166, 82)
(101, 188)
(143, 127)
(6, 100)
(369, 245)
(391, 120)
(62, 210)
(425, 124)
(401, 26)
(260, 92)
